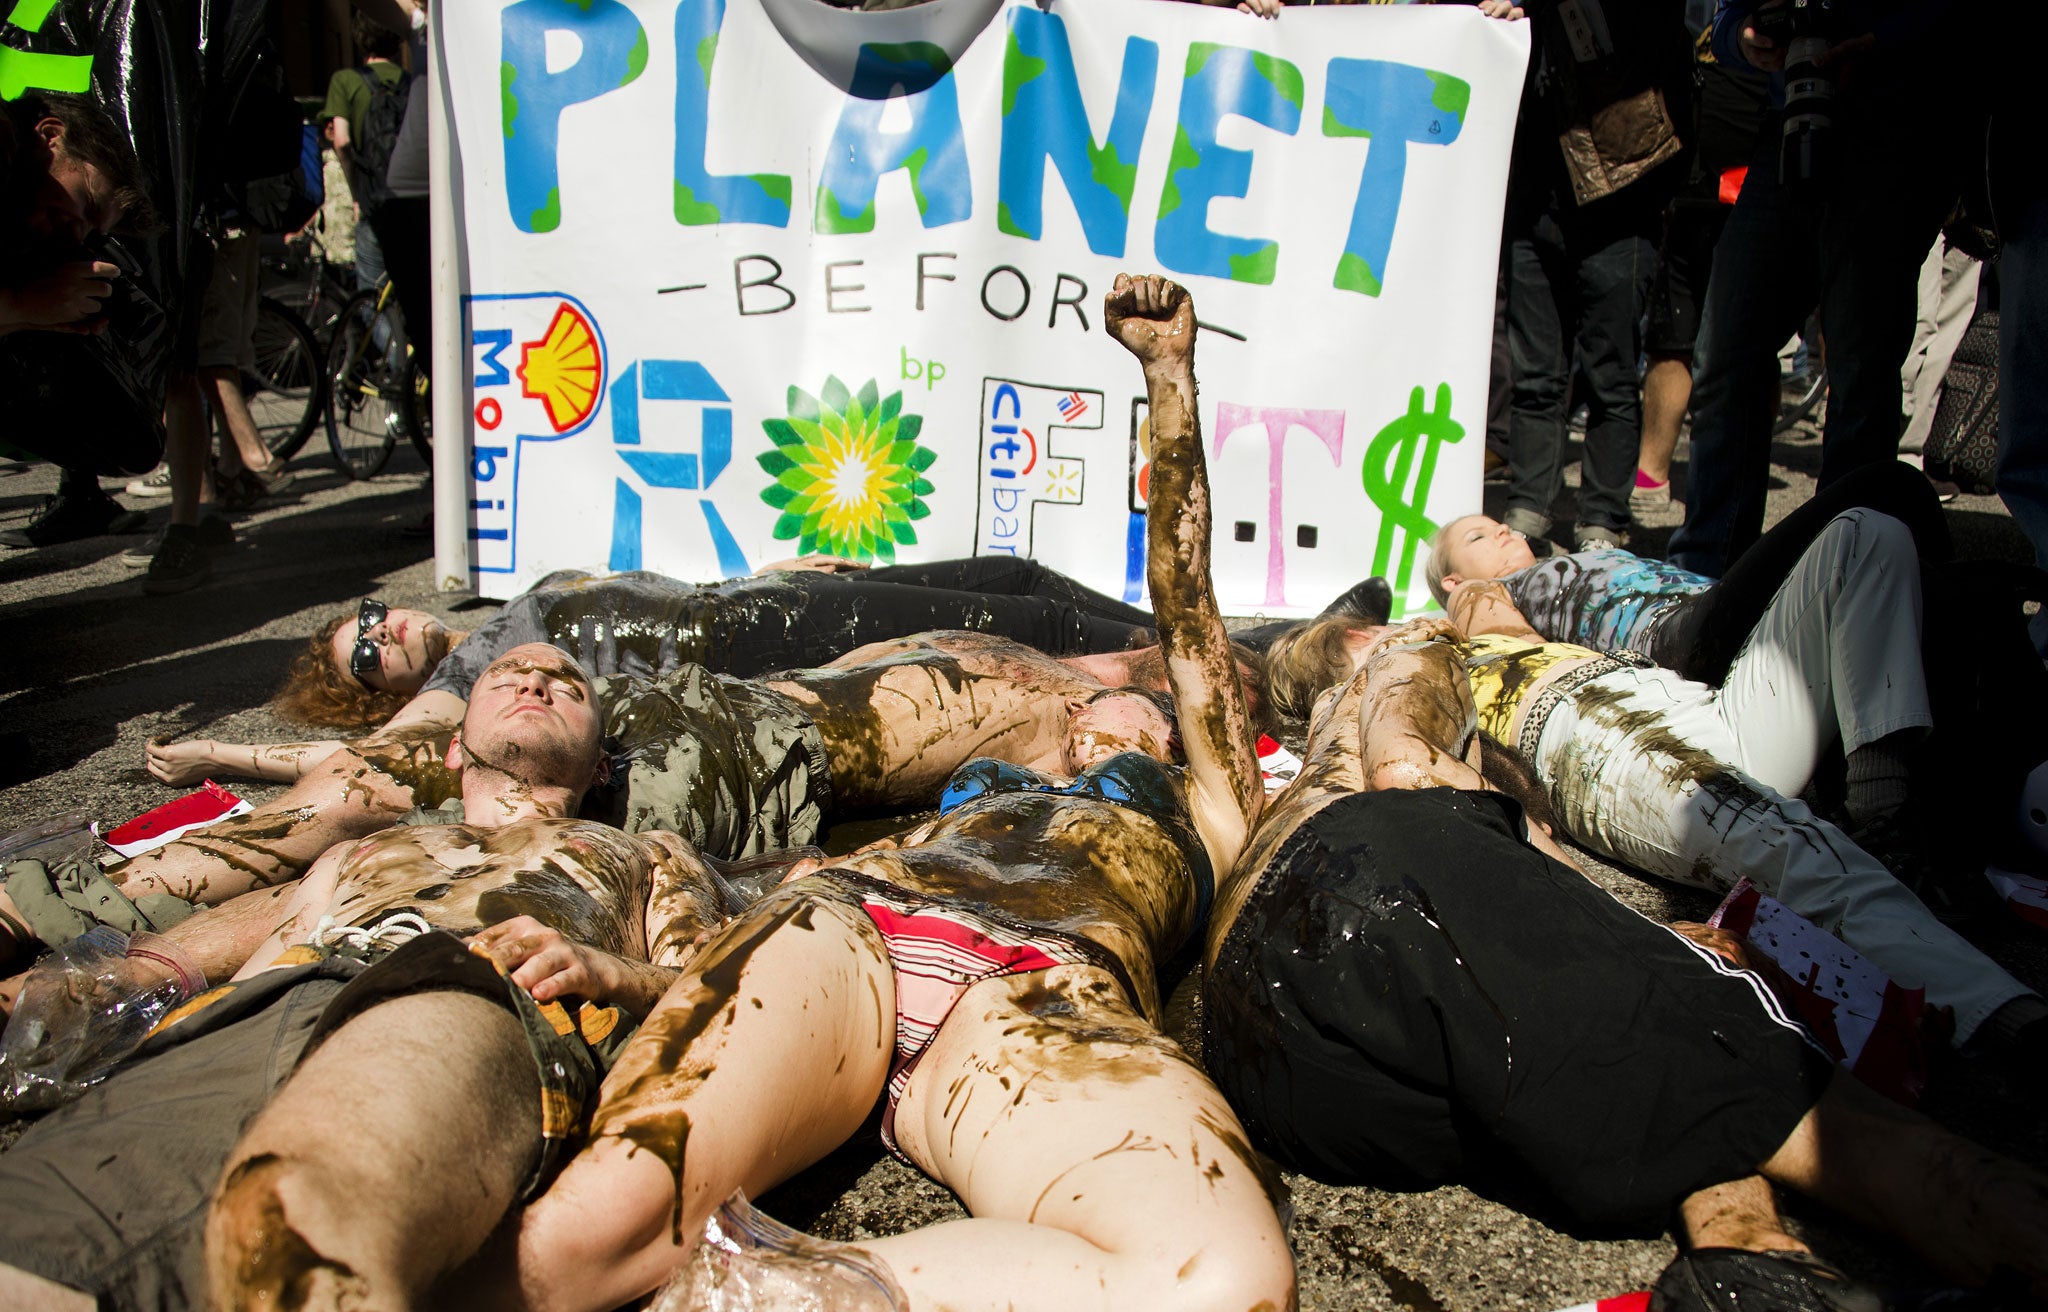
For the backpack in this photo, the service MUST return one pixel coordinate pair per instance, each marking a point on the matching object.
(376, 136)
(284, 201)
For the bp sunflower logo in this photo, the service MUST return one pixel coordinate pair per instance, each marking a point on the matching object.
(849, 474)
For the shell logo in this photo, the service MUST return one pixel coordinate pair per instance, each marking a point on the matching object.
(564, 370)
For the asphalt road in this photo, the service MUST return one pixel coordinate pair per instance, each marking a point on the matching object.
(91, 669)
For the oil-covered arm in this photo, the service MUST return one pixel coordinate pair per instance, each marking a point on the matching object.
(183, 764)
(1154, 319)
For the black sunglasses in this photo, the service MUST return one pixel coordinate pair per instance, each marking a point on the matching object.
(362, 659)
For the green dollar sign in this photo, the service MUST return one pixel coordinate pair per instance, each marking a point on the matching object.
(1388, 462)
(23, 70)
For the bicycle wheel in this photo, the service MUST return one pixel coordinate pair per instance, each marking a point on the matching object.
(286, 390)
(419, 407)
(363, 417)
(1802, 397)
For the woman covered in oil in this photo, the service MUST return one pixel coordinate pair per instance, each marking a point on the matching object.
(990, 978)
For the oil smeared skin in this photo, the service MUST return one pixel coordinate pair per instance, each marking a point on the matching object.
(274, 1266)
(1080, 865)
(646, 1094)
(587, 880)
(896, 725)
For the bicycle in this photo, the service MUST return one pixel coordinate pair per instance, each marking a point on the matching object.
(287, 389)
(367, 405)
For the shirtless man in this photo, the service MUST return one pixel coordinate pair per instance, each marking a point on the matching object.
(738, 767)
(425, 1085)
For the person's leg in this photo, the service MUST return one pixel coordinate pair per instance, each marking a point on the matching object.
(1102, 1168)
(1014, 576)
(369, 256)
(1638, 766)
(1873, 238)
(403, 240)
(1612, 278)
(1969, 1211)
(1413, 991)
(1758, 293)
(1539, 277)
(1703, 635)
(1834, 658)
(386, 1160)
(765, 1055)
(1667, 391)
(2023, 384)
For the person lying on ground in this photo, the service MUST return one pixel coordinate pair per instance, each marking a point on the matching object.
(992, 980)
(1699, 785)
(369, 1043)
(737, 767)
(398, 668)
(1611, 599)
(1402, 991)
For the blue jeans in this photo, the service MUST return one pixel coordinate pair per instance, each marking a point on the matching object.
(2023, 384)
(1855, 250)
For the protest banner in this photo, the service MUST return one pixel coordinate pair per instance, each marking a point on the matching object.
(743, 279)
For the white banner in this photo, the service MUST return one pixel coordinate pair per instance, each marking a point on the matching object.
(744, 279)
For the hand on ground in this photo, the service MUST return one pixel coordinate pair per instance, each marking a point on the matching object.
(180, 764)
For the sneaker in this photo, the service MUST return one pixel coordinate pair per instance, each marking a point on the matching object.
(1895, 839)
(213, 532)
(1369, 602)
(1647, 498)
(157, 484)
(1592, 537)
(65, 518)
(181, 563)
(1728, 1279)
(250, 486)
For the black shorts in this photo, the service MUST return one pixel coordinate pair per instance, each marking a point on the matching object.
(1678, 290)
(1413, 993)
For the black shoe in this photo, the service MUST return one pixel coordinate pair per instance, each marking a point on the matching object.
(250, 486)
(1956, 897)
(69, 518)
(1369, 602)
(1737, 1280)
(180, 564)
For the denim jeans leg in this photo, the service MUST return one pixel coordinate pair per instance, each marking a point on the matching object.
(1539, 344)
(1612, 282)
(1761, 288)
(2023, 385)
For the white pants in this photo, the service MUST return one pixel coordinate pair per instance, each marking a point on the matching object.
(1948, 301)
(1643, 768)
(1835, 656)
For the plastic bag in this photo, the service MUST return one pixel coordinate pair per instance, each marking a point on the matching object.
(750, 1262)
(83, 1008)
(53, 842)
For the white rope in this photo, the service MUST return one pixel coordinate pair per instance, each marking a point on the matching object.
(388, 933)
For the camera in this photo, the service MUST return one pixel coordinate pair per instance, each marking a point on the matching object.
(1806, 29)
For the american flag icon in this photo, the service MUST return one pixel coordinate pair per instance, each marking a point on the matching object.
(1072, 407)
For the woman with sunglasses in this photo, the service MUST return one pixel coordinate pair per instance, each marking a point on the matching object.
(401, 668)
